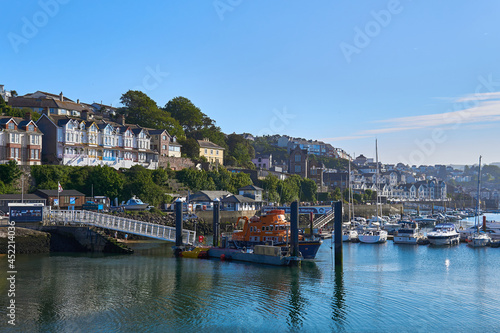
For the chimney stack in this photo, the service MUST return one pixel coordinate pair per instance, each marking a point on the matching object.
(27, 116)
(78, 101)
(85, 115)
(121, 119)
(61, 97)
(45, 110)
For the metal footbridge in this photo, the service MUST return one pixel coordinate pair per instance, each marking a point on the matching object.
(121, 224)
(323, 220)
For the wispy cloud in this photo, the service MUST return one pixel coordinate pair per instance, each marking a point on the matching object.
(486, 109)
(345, 138)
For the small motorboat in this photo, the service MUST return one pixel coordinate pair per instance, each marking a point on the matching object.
(197, 252)
(134, 203)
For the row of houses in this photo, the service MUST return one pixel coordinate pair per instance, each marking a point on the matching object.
(314, 147)
(79, 134)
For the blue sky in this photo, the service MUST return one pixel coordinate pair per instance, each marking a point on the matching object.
(421, 77)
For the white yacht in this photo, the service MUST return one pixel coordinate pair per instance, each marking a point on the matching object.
(444, 234)
(408, 233)
(492, 228)
(373, 235)
(479, 240)
(348, 235)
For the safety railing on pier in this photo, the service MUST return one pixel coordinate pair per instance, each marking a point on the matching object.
(323, 220)
(121, 224)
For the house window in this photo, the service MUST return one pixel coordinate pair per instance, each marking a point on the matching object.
(31, 128)
(297, 158)
(164, 137)
(164, 147)
(206, 151)
(298, 168)
(211, 151)
(216, 152)
(11, 126)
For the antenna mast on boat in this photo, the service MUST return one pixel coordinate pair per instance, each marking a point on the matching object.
(376, 176)
(351, 195)
(478, 194)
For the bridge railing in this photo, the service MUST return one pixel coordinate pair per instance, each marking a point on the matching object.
(119, 224)
(323, 220)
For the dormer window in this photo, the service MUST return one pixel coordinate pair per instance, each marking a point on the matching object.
(11, 126)
(31, 128)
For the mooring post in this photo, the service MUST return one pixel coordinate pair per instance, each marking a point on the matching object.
(311, 218)
(216, 222)
(178, 227)
(294, 226)
(338, 232)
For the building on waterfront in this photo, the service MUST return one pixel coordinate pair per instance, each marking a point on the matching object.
(204, 200)
(69, 199)
(77, 142)
(212, 152)
(239, 203)
(31, 198)
(251, 191)
(20, 140)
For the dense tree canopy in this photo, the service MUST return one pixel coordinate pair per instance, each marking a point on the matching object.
(140, 109)
(240, 152)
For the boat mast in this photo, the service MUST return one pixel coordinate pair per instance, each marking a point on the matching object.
(478, 194)
(351, 194)
(376, 175)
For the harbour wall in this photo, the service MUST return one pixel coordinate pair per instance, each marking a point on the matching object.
(43, 239)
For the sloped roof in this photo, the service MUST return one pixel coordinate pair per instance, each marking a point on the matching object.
(208, 144)
(52, 193)
(236, 198)
(208, 195)
(250, 188)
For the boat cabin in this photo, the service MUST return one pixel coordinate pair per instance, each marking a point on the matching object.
(266, 228)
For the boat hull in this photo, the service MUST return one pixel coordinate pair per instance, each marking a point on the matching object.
(479, 241)
(443, 240)
(308, 249)
(372, 239)
(239, 255)
(406, 240)
(135, 207)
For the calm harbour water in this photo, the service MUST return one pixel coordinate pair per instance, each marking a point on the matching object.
(384, 287)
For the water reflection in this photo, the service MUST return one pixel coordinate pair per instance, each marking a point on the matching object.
(338, 302)
(297, 302)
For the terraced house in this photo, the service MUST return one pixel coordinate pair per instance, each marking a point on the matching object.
(20, 140)
(87, 141)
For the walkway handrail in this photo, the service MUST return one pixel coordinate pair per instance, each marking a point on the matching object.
(323, 220)
(121, 224)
